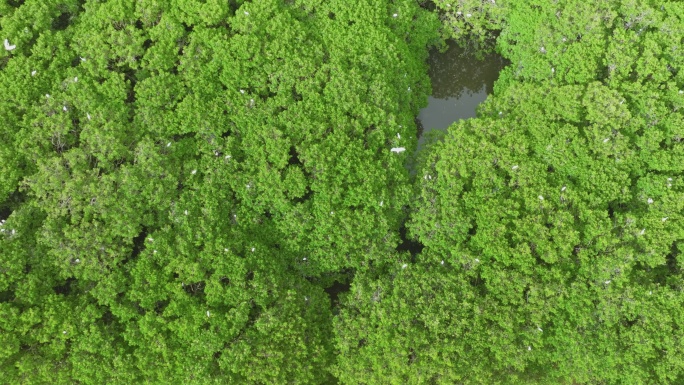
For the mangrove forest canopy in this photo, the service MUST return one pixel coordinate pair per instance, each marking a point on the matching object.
(231, 192)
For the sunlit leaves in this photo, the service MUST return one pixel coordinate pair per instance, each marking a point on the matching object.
(188, 168)
(559, 200)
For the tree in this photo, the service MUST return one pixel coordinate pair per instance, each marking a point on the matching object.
(182, 180)
(550, 222)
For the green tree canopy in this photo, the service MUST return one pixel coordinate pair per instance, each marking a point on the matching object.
(182, 179)
(551, 223)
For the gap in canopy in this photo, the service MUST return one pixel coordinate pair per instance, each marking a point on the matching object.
(460, 82)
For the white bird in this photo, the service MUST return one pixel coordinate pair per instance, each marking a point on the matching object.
(228, 156)
(529, 348)
(664, 219)
(542, 49)
(83, 59)
(154, 251)
(150, 239)
(468, 15)
(64, 108)
(77, 260)
(246, 13)
(186, 212)
(381, 202)
(208, 313)
(404, 266)
(553, 70)
(606, 140)
(395, 15)
(398, 136)
(442, 262)
(649, 201)
(607, 282)
(33, 73)
(64, 332)
(540, 329)
(409, 88)
(563, 189)
(541, 198)
(242, 91)
(47, 95)
(477, 260)
(680, 91)
(304, 259)
(8, 46)
(75, 78)
(88, 115)
(515, 167)
(225, 249)
(398, 149)
(168, 144)
(194, 172)
(642, 231)
(332, 213)
(253, 249)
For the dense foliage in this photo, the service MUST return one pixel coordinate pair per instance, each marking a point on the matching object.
(552, 223)
(181, 180)
(186, 185)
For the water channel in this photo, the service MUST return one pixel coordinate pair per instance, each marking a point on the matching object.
(459, 83)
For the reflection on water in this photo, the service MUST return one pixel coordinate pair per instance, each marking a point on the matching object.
(459, 83)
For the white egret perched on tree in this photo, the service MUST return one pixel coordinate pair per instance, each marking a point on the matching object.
(398, 149)
(8, 46)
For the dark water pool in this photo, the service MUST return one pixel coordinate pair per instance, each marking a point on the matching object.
(459, 83)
